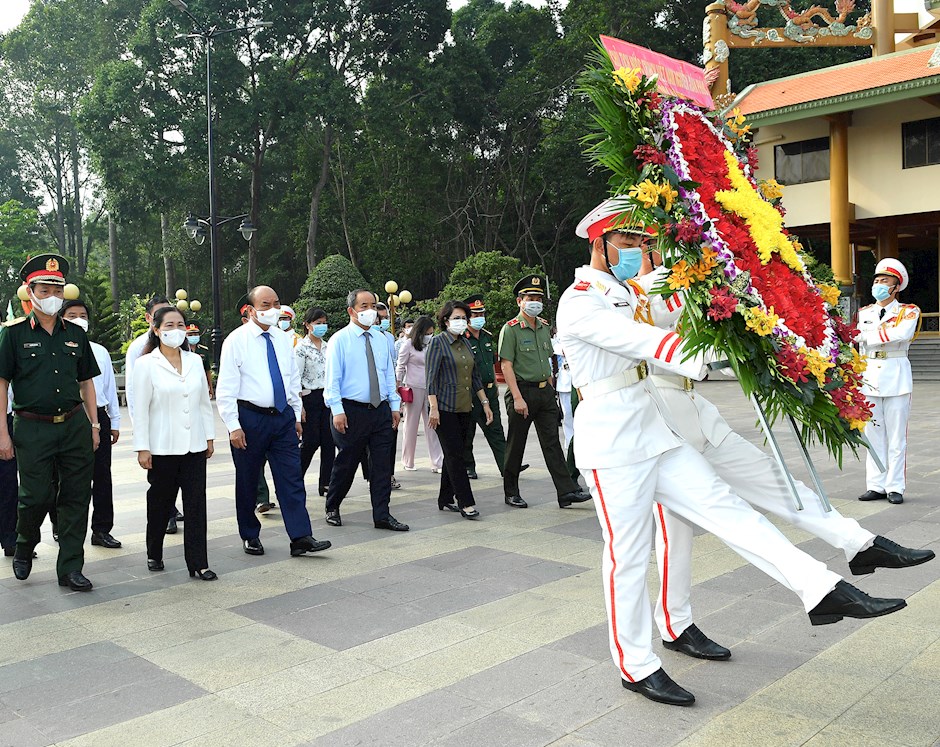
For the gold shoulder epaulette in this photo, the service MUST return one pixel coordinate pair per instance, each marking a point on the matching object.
(18, 320)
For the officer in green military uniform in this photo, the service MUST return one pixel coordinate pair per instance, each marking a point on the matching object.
(525, 346)
(193, 337)
(51, 366)
(481, 343)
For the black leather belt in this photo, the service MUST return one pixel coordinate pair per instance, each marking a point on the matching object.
(255, 408)
(361, 405)
(532, 384)
(61, 418)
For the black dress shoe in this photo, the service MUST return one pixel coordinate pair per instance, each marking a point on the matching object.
(308, 544)
(334, 519)
(395, 484)
(693, 642)
(154, 565)
(470, 513)
(524, 467)
(847, 601)
(887, 554)
(448, 507)
(104, 539)
(206, 575)
(660, 687)
(179, 516)
(22, 567)
(75, 581)
(516, 501)
(578, 496)
(262, 508)
(171, 527)
(253, 547)
(393, 524)
(872, 495)
(472, 474)
(895, 498)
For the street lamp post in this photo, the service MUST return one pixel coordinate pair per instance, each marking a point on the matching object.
(395, 299)
(212, 223)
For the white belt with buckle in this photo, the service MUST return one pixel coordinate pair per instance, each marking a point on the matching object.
(884, 354)
(614, 383)
(674, 381)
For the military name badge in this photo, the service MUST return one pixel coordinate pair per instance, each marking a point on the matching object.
(70, 344)
(32, 344)
(620, 304)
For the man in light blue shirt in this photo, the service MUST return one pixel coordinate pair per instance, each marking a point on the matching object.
(360, 391)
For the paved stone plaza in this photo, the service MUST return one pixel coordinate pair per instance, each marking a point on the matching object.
(460, 633)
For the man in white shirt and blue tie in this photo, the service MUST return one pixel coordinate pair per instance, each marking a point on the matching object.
(258, 396)
(360, 391)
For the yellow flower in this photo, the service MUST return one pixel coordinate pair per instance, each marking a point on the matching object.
(771, 189)
(830, 294)
(762, 322)
(736, 116)
(856, 425)
(627, 78)
(817, 364)
(859, 362)
(668, 194)
(646, 193)
(681, 276)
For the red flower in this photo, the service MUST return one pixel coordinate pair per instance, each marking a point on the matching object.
(793, 365)
(722, 305)
(648, 154)
(752, 157)
(687, 231)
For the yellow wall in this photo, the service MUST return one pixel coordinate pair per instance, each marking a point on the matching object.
(878, 186)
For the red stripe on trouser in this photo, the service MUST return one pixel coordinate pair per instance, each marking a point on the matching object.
(665, 579)
(613, 569)
(662, 344)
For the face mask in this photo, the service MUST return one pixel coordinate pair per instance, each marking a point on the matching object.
(457, 326)
(532, 308)
(49, 305)
(628, 265)
(385, 324)
(173, 338)
(83, 323)
(268, 317)
(477, 322)
(319, 330)
(193, 339)
(284, 324)
(367, 318)
(427, 339)
(880, 291)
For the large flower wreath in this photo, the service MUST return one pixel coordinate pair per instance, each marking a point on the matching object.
(722, 236)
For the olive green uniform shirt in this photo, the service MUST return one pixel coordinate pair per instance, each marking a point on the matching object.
(44, 368)
(482, 347)
(530, 350)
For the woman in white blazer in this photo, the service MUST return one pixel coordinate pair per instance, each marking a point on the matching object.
(174, 428)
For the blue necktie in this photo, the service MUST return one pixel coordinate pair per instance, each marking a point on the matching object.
(280, 396)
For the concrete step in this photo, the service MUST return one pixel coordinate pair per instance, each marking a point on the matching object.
(925, 359)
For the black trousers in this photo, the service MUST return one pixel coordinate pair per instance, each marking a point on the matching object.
(8, 488)
(366, 460)
(452, 433)
(543, 412)
(102, 491)
(365, 428)
(186, 473)
(318, 435)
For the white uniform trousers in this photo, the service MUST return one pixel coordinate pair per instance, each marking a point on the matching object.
(567, 416)
(681, 480)
(754, 476)
(887, 434)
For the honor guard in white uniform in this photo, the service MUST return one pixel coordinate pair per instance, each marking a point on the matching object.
(754, 476)
(886, 329)
(632, 456)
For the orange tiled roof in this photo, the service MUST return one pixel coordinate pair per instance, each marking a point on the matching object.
(854, 77)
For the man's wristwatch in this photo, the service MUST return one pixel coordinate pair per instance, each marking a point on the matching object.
(96, 426)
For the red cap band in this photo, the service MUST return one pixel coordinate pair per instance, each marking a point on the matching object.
(894, 273)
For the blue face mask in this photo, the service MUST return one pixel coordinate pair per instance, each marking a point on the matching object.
(193, 339)
(385, 324)
(880, 291)
(628, 265)
(319, 330)
(478, 322)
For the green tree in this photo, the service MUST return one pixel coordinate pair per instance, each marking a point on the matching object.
(20, 237)
(105, 325)
(327, 287)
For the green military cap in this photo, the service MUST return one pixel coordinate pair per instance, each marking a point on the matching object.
(242, 305)
(45, 268)
(531, 285)
(475, 302)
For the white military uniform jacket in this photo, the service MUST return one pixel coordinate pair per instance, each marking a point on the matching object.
(887, 335)
(601, 338)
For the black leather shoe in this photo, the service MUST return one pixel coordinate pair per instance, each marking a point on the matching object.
(263, 508)
(660, 687)
(179, 516)
(516, 501)
(206, 575)
(22, 567)
(334, 519)
(253, 547)
(393, 524)
(524, 467)
(469, 513)
(308, 544)
(104, 539)
(75, 581)
(154, 565)
(847, 601)
(171, 527)
(395, 484)
(578, 496)
(887, 554)
(448, 507)
(472, 474)
(895, 498)
(872, 495)
(693, 642)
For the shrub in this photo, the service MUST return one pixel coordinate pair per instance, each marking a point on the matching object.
(327, 287)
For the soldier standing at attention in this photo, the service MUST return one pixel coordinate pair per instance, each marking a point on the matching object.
(51, 366)
(525, 346)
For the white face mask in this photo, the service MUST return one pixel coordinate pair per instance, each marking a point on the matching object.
(268, 317)
(427, 339)
(83, 323)
(173, 338)
(532, 308)
(457, 326)
(49, 305)
(367, 318)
